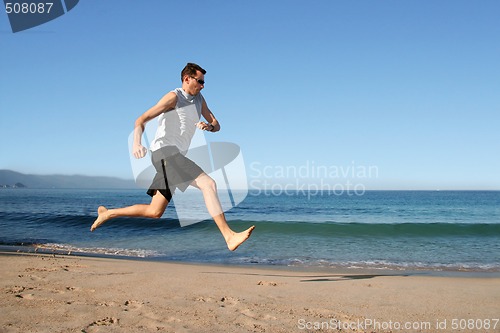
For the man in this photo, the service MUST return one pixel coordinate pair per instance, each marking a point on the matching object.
(178, 113)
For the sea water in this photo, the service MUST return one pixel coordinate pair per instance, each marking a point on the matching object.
(411, 230)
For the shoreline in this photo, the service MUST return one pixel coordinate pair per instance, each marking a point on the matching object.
(89, 294)
(409, 270)
(47, 250)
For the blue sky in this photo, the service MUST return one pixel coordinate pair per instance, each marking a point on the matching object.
(410, 88)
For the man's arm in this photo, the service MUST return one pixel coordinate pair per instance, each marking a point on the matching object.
(166, 103)
(212, 124)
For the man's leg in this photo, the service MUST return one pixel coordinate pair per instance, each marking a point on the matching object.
(153, 210)
(209, 189)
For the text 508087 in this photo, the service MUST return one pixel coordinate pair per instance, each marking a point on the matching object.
(28, 7)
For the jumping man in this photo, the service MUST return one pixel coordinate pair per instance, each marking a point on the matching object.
(178, 113)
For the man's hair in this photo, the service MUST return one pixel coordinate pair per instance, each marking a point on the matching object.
(190, 70)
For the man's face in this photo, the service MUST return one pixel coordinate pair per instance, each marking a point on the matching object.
(194, 84)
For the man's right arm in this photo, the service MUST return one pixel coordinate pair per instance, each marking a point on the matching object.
(166, 103)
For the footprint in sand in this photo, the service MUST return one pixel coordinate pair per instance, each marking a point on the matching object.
(18, 291)
(26, 296)
(147, 318)
(73, 289)
(249, 313)
(222, 302)
(228, 301)
(205, 299)
(132, 305)
(267, 283)
(106, 304)
(15, 289)
(108, 321)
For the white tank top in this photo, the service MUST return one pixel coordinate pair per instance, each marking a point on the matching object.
(177, 127)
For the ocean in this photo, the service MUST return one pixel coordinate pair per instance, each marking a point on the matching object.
(397, 230)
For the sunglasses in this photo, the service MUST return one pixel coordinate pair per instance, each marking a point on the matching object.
(200, 81)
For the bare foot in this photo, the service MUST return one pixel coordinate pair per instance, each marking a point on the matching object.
(101, 218)
(238, 238)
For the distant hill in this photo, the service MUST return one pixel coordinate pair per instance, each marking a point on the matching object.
(11, 178)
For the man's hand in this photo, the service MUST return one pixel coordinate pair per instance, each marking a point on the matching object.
(139, 151)
(204, 126)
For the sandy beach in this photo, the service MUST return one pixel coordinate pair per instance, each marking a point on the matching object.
(55, 293)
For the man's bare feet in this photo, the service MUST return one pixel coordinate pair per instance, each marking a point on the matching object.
(101, 218)
(238, 238)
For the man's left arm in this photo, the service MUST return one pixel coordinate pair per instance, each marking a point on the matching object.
(212, 124)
